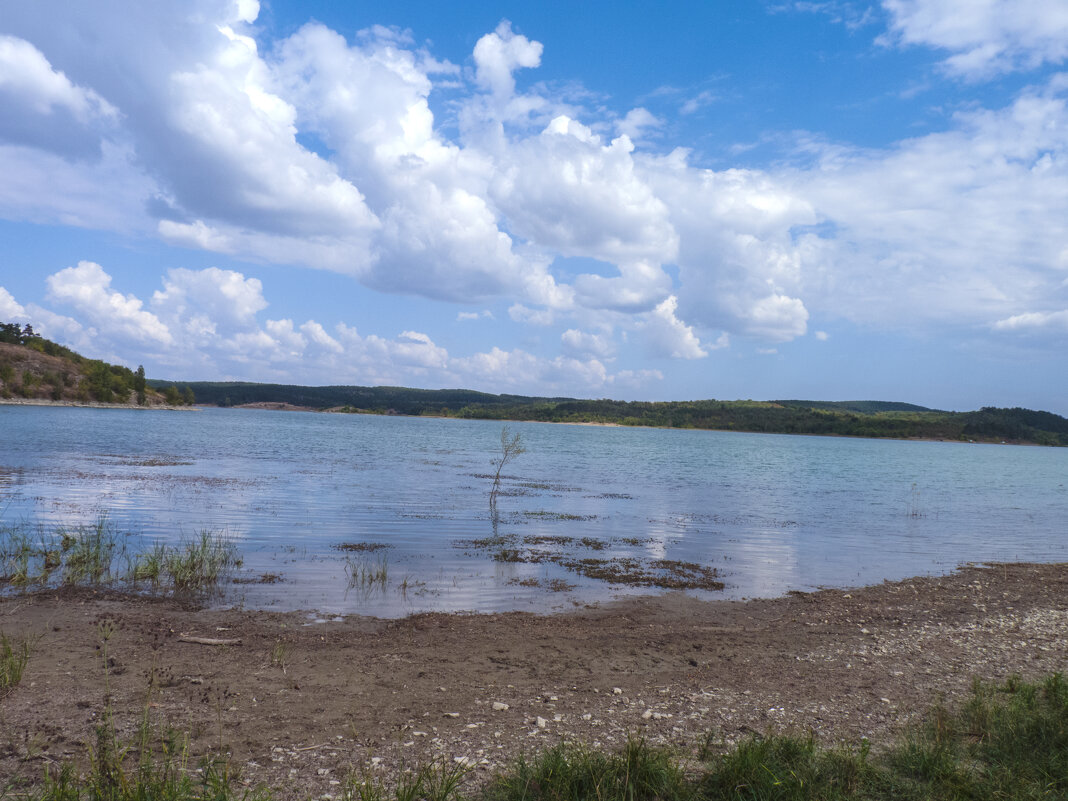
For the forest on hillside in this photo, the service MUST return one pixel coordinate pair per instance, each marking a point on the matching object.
(837, 418)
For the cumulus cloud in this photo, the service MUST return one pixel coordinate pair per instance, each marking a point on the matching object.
(42, 108)
(670, 336)
(10, 309)
(87, 288)
(636, 122)
(583, 343)
(218, 294)
(464, 316)
(207, 323)
(985, 37)
(497, 55)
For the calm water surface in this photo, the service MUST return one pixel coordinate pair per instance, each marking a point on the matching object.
(771, 513)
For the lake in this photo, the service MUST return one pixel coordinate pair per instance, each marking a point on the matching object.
(390, 515)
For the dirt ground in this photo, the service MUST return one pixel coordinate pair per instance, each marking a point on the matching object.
(299, 703)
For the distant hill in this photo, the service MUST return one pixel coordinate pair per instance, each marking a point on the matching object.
(35, 368)
(837, 418)
(379, 400)
(864, 407)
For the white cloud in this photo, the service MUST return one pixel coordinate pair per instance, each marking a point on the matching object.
(585, 344)
(223, 295)
(1034, 321)
(822, 336)
(570, 193)
(670, 336)
(636, 122)
(42, 108)
(958, 227)
(87, 288)
(697, 102)
(10, 310)
(26, 75)
(497, 55)
(484, 314)
(985, 37)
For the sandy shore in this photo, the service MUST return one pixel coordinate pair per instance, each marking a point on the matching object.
(300, 702)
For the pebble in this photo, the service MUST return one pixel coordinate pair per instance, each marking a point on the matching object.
(541, 722)
(499, 706)
(452, 714)
(617, 691)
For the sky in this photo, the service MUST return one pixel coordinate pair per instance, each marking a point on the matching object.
(762, 199)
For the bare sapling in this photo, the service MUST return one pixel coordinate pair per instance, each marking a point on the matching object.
(511, 447)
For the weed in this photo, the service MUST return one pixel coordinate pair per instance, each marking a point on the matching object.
(367, 575)
(89, 557)
(148, 566)
(280, 655)
(578, 772)
(14, 654)
(199, 564)
(437, 781)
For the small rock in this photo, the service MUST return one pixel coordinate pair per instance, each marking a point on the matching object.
(648, 713)
(452, 714)
(587, 716)
(617, 691)
(541, 722)
(499, 706)
(323, 771)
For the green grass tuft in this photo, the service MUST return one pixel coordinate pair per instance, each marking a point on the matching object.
(14, 654)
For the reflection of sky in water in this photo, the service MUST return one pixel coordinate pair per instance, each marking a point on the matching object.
(771, 513)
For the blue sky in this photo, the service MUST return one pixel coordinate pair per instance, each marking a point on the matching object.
(766, 199)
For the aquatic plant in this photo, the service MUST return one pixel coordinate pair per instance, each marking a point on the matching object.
(93, 554)
(367, 575)
(200, 563)
(90, 552)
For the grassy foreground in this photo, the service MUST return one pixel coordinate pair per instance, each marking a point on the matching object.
(1006, 741)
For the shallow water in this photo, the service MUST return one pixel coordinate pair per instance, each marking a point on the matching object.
(771, 513)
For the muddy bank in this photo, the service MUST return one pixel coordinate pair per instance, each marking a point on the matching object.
(298, 702)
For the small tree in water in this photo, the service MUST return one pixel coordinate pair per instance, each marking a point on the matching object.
(511, 447)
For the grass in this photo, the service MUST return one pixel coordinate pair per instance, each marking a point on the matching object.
(14, 654)
(1006, 741)
(200, 563)
(367, 575)
(437, 781)
(93, 555)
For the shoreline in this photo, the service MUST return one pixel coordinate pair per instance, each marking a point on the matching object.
(299, 700)
(95, 405)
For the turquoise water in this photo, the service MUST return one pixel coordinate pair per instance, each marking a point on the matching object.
(771, 513)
